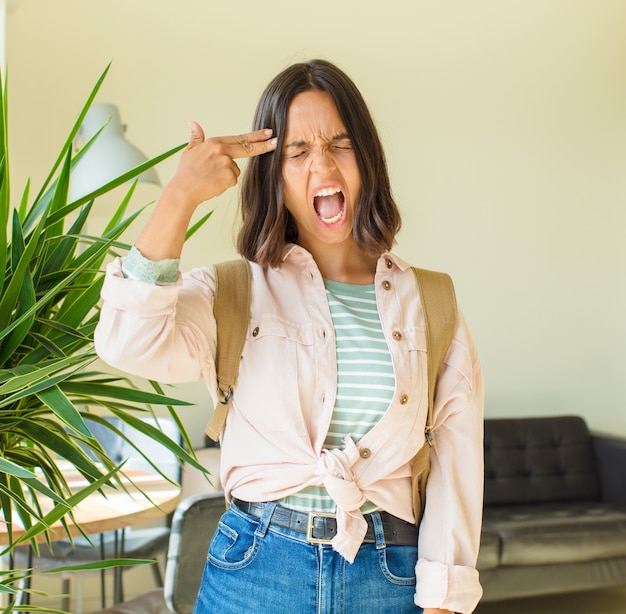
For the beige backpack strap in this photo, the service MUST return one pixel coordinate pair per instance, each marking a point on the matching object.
(231, 309)
(440, 319)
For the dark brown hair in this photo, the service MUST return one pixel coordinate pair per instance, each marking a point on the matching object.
(266, 224)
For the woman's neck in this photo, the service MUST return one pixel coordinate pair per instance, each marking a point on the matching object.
(347, 265)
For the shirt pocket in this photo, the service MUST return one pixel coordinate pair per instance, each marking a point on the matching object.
(277, 364)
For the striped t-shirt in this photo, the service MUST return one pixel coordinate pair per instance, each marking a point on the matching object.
(365, 378)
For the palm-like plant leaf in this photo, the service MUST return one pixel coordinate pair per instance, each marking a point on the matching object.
(49, 292)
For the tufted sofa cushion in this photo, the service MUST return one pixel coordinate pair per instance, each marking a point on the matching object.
(534, 460)
(554, 533)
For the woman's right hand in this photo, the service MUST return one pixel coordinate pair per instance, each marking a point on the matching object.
(207, 167)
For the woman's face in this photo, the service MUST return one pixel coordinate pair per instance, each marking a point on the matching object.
(321, 179)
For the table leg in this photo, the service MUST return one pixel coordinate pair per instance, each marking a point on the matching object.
(118, 590)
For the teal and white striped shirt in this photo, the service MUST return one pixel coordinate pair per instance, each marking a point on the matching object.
(365, 378)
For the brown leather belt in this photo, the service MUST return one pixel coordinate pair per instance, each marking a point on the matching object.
(321, 527)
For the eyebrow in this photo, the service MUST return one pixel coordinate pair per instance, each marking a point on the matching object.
(338, 137)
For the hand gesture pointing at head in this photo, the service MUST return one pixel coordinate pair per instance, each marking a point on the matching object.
(206, 169)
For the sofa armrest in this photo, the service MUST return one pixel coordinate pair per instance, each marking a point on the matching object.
(610, 454)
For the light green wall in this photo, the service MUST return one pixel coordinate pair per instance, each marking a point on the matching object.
(505, 127)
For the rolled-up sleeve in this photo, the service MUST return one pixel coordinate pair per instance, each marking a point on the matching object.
(160, 332)
(450, 529)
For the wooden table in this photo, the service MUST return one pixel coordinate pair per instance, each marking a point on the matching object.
(115, 509)
(147, 496)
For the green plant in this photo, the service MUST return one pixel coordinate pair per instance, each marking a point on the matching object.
(48, 311)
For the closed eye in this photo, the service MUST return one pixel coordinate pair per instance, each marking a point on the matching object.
(342, 142)
(297, 150)
(297, 153)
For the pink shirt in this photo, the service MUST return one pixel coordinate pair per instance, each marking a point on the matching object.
(272, 445)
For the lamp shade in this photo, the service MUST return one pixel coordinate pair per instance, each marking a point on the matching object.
(109, 156)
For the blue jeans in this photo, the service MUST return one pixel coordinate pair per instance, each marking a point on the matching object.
(253, 567)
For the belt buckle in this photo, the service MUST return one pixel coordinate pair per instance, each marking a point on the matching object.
(309, 527)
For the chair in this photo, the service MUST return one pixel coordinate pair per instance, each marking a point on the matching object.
(144, 543)
(193, 525)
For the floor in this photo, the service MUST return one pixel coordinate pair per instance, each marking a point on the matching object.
(139, 580)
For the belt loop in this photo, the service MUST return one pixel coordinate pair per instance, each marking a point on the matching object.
(379, 532)
(266, 517)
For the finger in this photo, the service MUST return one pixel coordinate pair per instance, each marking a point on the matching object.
(197, 134)
(250, 144)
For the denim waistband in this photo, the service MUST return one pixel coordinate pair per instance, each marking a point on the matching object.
(321, 527)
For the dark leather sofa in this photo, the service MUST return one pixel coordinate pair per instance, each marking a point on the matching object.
(555, 508)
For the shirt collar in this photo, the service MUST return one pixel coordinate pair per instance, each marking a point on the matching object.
(294, 252)
(399, 262)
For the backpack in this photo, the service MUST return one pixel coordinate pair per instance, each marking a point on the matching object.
(232, 314)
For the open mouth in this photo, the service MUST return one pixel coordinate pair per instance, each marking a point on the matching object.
(329, 205)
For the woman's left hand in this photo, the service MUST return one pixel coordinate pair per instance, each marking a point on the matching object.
(437, 611)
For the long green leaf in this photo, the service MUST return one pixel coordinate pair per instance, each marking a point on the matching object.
(58, 511)
(35, 388)
(107, 241)
(67, 146)
(5, 192)
(25, 301)
(48, 345)
(7, 466)
(114, 183)
(29, 376)
(23, 208)
(54, 442)
(128, 176)
(59, 199)
(120, 212)
(63, 408)
(51, 294)
(123, 393)
(5, 206)
(62, 328)
(192, 231)
(157, 435)
(74, 312)
(172, 412)
(67, 245)
(31, 479)
(11, 293)
(48, 434)
(101, 564)
(45, 200)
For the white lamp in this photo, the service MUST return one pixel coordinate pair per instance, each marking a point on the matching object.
(110, 156)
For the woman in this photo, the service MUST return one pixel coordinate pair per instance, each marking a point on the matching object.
(331, 402)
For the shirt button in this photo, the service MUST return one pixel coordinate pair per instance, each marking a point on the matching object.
(404, 399)
(365, 452)
(388, 263)
(387, 285)
(397, 335)
(255, 332)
